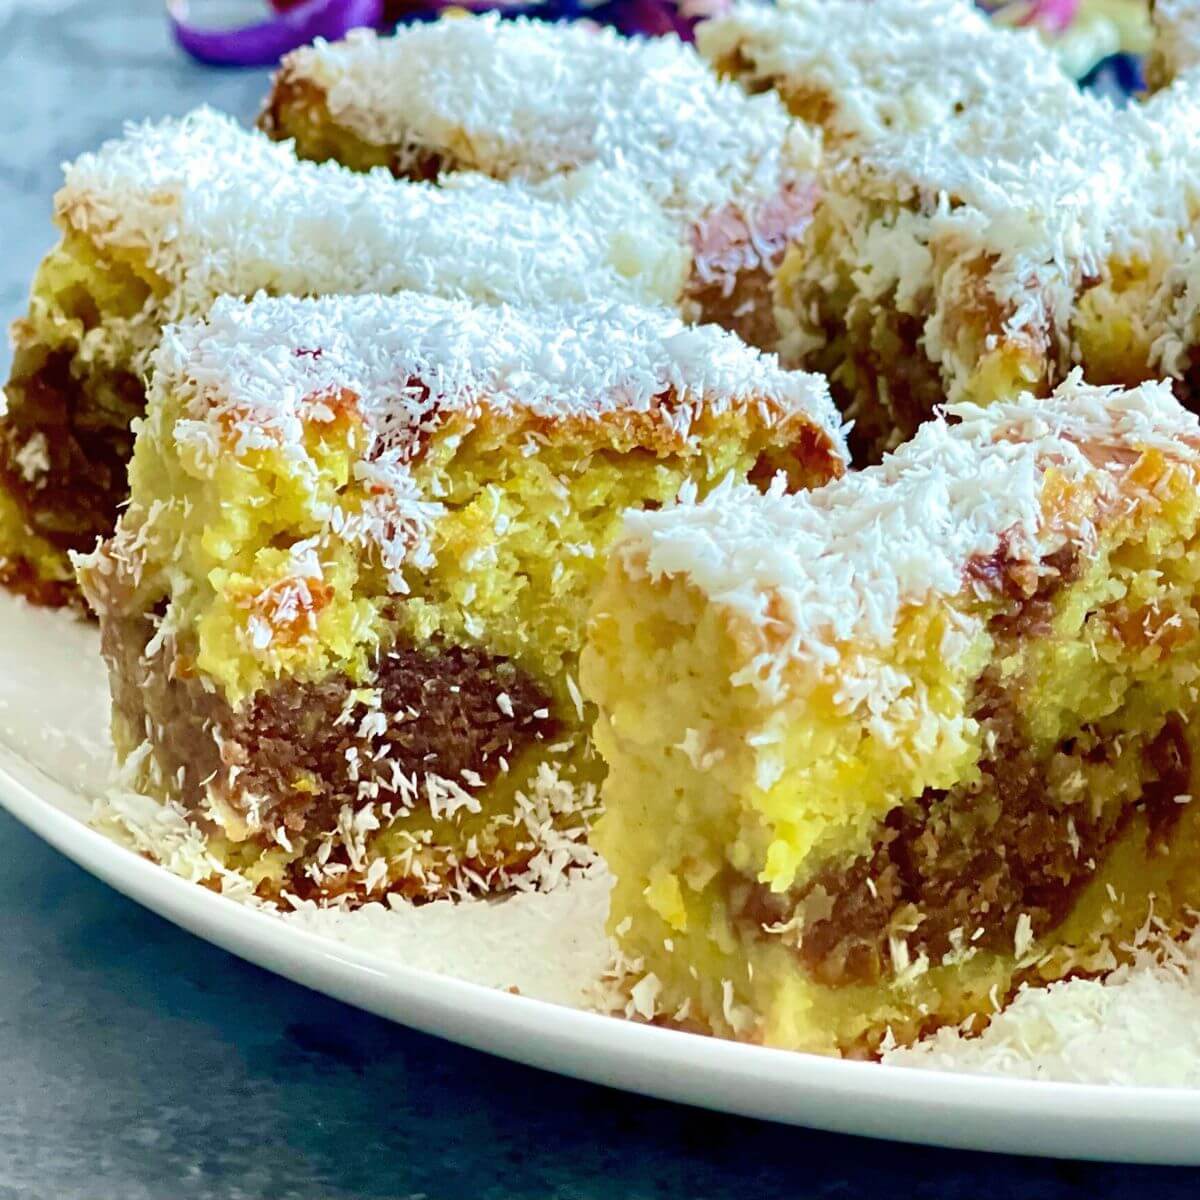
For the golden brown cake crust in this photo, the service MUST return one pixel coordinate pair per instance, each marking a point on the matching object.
(296, 108)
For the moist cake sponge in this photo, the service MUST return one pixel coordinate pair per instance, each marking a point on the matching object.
(342, 611)
(527, 99)
(159, 223)
(983, 224)
(880, 753)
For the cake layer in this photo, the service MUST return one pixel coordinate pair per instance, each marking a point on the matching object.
(983, 225)
(343, 608)
(159, 223)
(529, 100)
(879, 753)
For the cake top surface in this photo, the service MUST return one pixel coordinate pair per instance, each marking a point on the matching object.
(981, 125)
(269, 373)
(888, 68)
(219, 209)
(836, 567)
(264, 367)
(550, 97)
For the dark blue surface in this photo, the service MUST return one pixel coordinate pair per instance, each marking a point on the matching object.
(137, 1063)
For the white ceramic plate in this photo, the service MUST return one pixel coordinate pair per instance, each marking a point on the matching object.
(52, 754)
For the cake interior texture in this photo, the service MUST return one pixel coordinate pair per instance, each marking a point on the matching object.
(72, 395)
(879, 843)
(344, 722)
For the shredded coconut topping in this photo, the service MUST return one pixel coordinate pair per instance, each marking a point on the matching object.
(217, 209)
(259, 372)
(404, 358)
(1001, 159)
(821, 570)
(545, 98)
(883, 74)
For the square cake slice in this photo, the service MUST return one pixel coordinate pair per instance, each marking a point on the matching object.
(527, 99)
(343, 609)
(159, 223)
(983, 225)
(879, 753)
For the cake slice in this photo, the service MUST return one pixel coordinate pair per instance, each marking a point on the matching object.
(342, 611)
(983, 225)
(160, 222)
(526, 99)
(880, 753)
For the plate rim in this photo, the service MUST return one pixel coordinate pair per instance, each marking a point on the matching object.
(1102, 1122)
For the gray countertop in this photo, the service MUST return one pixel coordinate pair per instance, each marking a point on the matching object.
(138, 1063)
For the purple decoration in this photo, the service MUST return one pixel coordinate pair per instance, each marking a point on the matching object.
(265, 42)
(298, 22)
